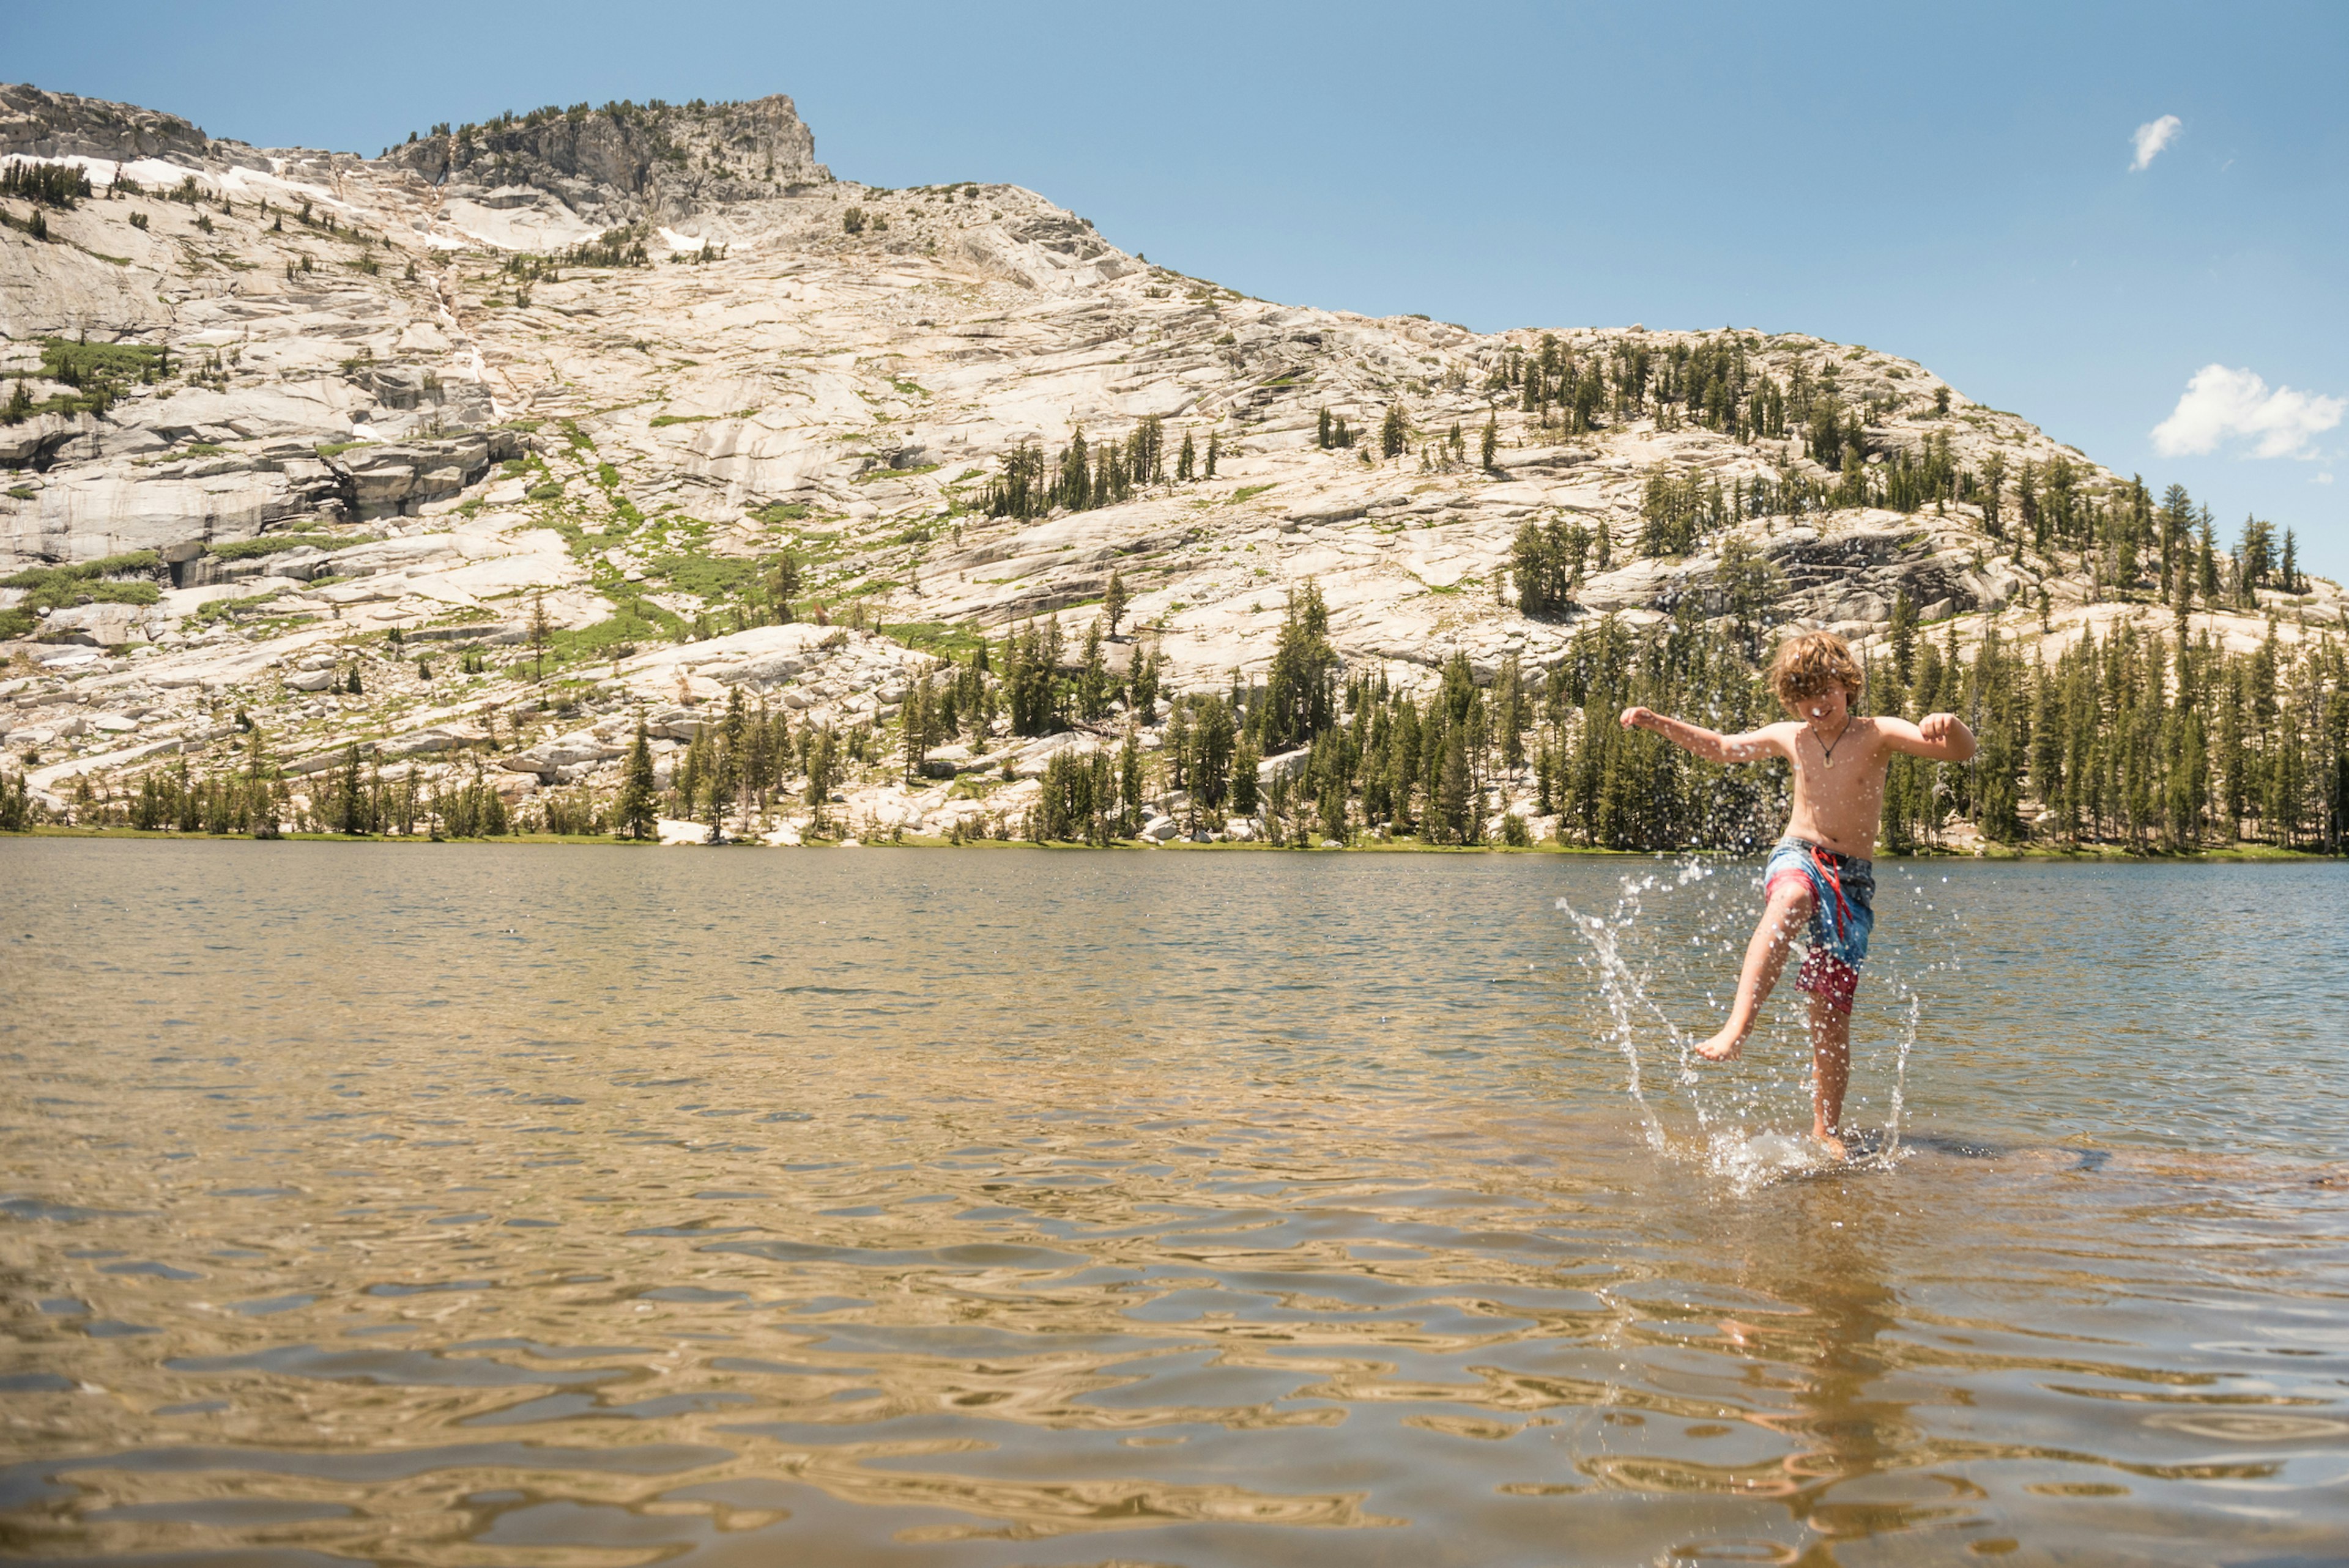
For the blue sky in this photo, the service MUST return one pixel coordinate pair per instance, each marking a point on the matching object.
(1961, 185)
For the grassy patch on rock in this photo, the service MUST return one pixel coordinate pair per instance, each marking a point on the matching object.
(99, 582)
(272, 543)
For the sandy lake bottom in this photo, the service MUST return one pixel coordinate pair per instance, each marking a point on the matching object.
(484, 1205)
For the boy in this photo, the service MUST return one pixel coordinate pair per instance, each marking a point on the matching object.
(1818, 877)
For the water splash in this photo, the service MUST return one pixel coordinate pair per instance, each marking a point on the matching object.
(1619, 987)
(1625, 989)
(1746, 1162)
(1891, 1150)
(1725, 1144)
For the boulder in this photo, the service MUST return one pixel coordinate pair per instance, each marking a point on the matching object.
(1534, 460)
(299, 564)
(1289, 765)
(1032, 760)
(566, 758)
(1317, 513)
(389, 479)
(676, 724)
(95, 626)
(32, 442)
(434, 737)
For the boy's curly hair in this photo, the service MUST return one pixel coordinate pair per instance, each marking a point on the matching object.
(1808, 663)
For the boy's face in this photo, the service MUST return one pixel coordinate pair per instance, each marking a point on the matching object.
(1824, 708)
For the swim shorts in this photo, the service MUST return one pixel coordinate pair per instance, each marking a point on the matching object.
(1843, 900)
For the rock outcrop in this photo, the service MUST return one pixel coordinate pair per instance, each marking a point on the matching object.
(622, 163)
(47, 125)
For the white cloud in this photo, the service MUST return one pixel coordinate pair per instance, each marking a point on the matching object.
(2325, 478)
(2152, 136)
(2222, 405)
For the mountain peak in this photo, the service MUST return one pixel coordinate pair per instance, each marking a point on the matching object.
(625, 163)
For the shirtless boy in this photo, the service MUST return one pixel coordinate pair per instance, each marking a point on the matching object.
(1818, 879)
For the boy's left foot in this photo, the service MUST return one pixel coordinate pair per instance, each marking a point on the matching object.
(1834, 1145)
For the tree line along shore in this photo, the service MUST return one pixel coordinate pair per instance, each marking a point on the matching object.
(2155, 739)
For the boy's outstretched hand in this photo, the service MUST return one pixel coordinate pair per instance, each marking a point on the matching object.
(1937, 727)
(1636, 717)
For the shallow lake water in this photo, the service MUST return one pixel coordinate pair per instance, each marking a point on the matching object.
(472, 1204)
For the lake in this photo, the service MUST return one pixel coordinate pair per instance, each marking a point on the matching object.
(502, 1204)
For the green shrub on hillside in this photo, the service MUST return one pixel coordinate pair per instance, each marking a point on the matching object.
(271, 543)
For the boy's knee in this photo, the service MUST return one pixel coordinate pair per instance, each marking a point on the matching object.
(1792, 894)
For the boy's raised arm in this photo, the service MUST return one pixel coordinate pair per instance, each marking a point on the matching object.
(1938, 736)
(1711, 745)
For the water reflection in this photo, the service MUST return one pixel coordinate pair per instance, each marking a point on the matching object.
(1011, 1208)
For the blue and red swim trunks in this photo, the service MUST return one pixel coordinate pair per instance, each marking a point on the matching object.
(1843, 911)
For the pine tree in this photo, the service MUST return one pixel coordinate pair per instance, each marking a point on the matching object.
(919, 716)
(692, 775)
(1176, 746)
(1492, 443)
(1749, 584)
(782, 586)
(1245, 759)
(1510, 713)
(1186, 459)
(1395, 435)
(822, 770)
(539, 633)
(1215, 450)
(1299, 700)
(1904, 635)
(719, 793)
(1093, 678)
(634, 815)
(1331, 808)
(1129, 787)
(1114, 601)
(1213, 738)
(1454, 808)
(350, 798)
(1141, 685)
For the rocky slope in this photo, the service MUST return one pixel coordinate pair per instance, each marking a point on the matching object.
(594, 365)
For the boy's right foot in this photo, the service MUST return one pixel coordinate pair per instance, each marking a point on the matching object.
(1723, 1046)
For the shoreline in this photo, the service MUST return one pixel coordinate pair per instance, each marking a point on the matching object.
(2239, 854)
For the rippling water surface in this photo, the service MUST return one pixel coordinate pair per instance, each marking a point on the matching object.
(502, 1205)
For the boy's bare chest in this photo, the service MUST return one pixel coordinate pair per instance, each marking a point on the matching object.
(1846, 775)
(1860, 779)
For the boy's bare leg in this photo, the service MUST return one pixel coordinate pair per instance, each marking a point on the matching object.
(1789, 911)
(1830, 1072)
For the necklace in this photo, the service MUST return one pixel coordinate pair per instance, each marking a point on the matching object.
(1828, 752)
